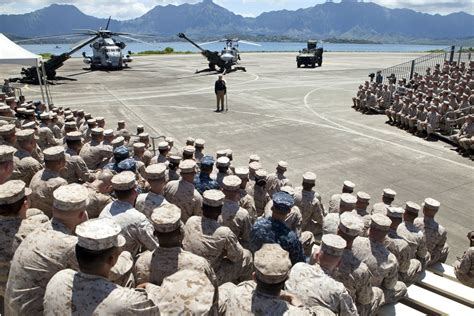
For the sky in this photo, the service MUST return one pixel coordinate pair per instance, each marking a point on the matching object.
(127, 9)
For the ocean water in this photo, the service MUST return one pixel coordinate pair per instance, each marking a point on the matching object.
(265, 47)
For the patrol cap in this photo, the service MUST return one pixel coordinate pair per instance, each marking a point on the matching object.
(349, 185)
(124, 181)
(169, 140)
(282, 165)
(124, 133)
(333, 245)
(163, 146)
(166, 218)
(187, 166)
(97, 131)
(5, 109)
(140, 127)
(389, 193)
(121, 153)
(431, 203)
(128, 164)
(91, 121)
(100, 119)
(363, 196)
(121, 122)
(74, 136)
(288, 190)
(175, 159)
(3, 122)
(380, 222)
(189, 150)
(207, 161)
(214, 198)
(87, 116)
(6, 153)
(139, 145)
(143, 136)
(190, 141)
(155, 171)
(412, 207)
(7, 130)
(199, 143)
(70, 125)
(255, 165)
(309, 177)
(99, 234)
(351, 224)
(242, 172)
(25, 134)
(221, 153)
(283, 201)
(45, 116)
(29, 125)
(187, 292)
(260, 174)
(395, 212)
(347, 198)
(272, 264)
(231, 183)
(118, 141)
(12, 191)
(254, 157)
(71, 197)
(223, 162)
(54, 153)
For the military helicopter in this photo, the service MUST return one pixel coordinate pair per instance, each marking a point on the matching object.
(107, 53)
(227, 60)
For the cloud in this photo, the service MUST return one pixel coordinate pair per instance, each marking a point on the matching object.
(127, 9)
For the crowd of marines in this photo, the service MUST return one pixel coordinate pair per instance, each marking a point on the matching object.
(440, 101)
(92, 222)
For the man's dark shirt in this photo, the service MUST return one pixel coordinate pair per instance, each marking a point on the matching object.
(220, 86)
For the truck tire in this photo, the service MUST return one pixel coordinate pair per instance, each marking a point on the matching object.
(313, 65)
(298, 65)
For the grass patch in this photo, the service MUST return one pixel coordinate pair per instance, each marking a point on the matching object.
(46, 55)
(166, 51)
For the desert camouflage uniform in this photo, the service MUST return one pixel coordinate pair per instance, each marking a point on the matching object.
(380, 208)
(260, 196)
(219, 245)
(416, 240)
(184, 195)
(293, 220)
(46, 138)
(25, 167)
(246, 300)
(334, 203)
(159, 159)
(172, 175)
(147, 202)
(35, 219)
(42, 254)
(75, 169)
(70, 292)
(42, 185)
(9, 226)
(247, 202)
(238, 220)
(329, 293)
(331, 223)
(275, 182)
(95, 154)
(136, 228)
(408, 267)
(436, 237)
(464, 268)
(162, 262)
(383, 266)
(97, 201)
(312, 210)
(365, 216)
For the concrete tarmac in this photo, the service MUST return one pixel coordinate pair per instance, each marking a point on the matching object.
(279, 112)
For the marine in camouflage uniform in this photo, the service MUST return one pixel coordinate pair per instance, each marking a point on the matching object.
(246, 200)
(347, 187)
(76, 169)
(363, 201)
(99, 193)
(331, 221)
(277, 180)
(309, 203)
(387, 199)
(156, 177)
(26, 166)
(258, 192)
(274, 230)
(464, 266)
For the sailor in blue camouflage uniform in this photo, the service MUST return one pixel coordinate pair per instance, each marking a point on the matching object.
(273, 230)
(120, 153)
(203, 180)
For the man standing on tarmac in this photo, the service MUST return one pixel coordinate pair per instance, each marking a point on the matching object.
(221, 90)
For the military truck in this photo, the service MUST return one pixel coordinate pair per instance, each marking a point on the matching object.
(310, 56)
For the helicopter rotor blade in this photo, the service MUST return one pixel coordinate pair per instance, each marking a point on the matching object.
(249, 43)
(86, 30)
(48, 37)
(83, 43)
(208, 43)
(133, 39)
(134, 34)
(108, 22)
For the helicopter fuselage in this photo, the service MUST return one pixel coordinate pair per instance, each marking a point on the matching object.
(107, 54)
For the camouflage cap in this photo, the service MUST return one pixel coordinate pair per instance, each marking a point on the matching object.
(128, 164)
(349, 199)
(7, 129)
(163, 146)
(380, 222)
(139, 145)
(5, 109)
(155, 171)
(221, 153)
(108, 132)
(166, 218)
(45, 116)
(242, 172)
(282, 165)
(349, 185)
(283, 202)
(231, 183)
(187, 292)
(54, 153)
(333, 245)
(25, 134)
(288, 190)
(190, 141)
(6, 153)
(223, 162)
(100, 119)
(118, 141)
(351, 224)
(70, 125)
(187, 166)
(260, 174)
(91, 121)
(412, 207)
(207, 161)
(124, 181)
(253, 158)
(363, 196)
(143, 136)
(71, 197)
(255, 165)
(431, 203)
(389, 193)
(169, 139)
(199, 143)
(29, 125)
(12, 191)
(189, 150)
(309, 177)
(175, 159)
(99, 234)
(76, 135)
(272, 264)
(395, 212)
(214, 198)
(97, 131)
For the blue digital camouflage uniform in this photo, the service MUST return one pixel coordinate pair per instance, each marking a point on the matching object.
(269, 230)
(203, 182)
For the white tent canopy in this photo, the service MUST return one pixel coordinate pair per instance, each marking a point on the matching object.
(11, 53)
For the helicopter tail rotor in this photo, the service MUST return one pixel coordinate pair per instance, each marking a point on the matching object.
(108, 22)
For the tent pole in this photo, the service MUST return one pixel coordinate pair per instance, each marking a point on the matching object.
(45, 81)
(40, 81)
